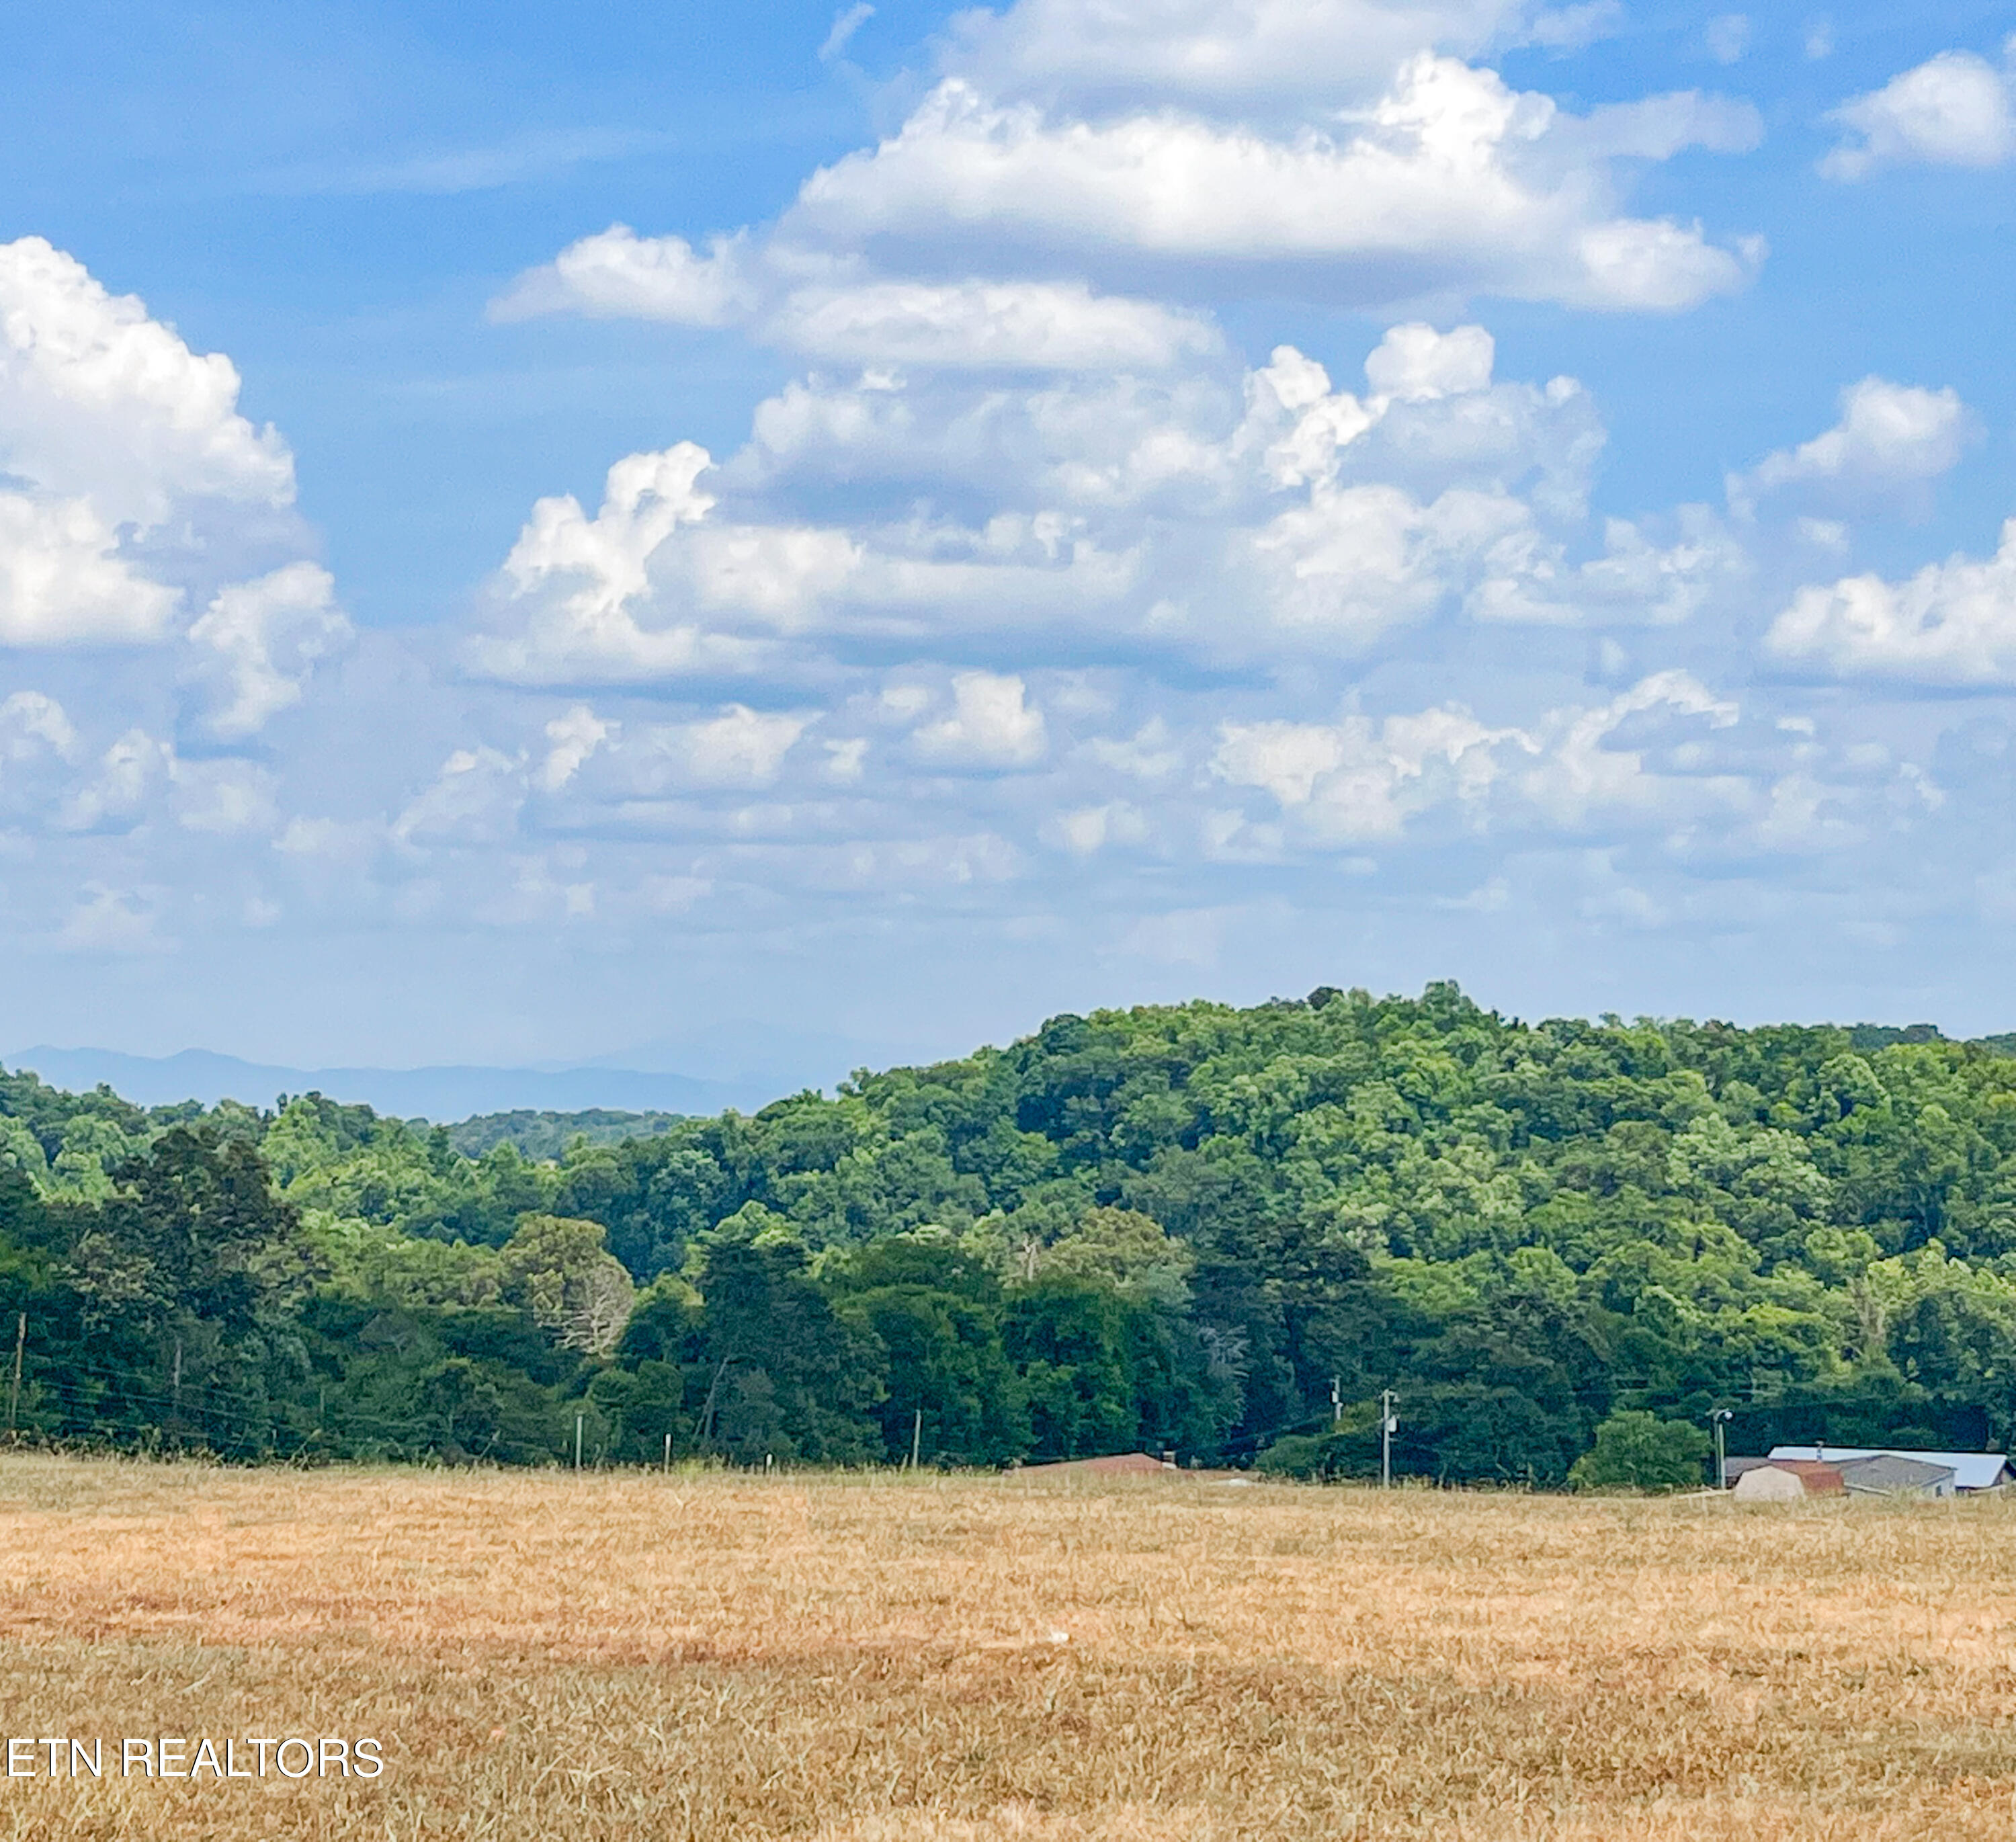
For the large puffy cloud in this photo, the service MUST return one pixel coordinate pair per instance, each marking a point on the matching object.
(1330, 147)
(1953, 623)
(1235, 517)
(651, 590)
(1954, 109)
(1447, 186)
(132, 480)
(98, 399)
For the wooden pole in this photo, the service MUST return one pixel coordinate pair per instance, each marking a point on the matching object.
(703, 1426)
(916, 1438)
(14, 1393)
(577, 1419)
(668, 1455)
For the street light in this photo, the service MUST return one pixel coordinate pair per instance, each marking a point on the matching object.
(1718, 1419)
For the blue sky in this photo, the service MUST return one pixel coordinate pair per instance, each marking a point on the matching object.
(547, 533)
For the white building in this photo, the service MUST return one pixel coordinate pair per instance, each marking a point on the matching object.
(1973, 1472)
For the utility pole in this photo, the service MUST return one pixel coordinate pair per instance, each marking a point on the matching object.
(1718, 1419)
(668, 1455)
(1387, 1423)
(1336, 1402)
(703, 1426)
(14, 1393)
(916, 1438)
(577, 1419)
(175, 1406)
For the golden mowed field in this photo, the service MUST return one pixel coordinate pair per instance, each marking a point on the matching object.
(876, 1659)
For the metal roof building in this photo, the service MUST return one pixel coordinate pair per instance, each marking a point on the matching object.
(1888, 1476)
(1971, 1471)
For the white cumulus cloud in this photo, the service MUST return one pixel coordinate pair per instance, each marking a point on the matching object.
(1357, 780)
(1889, 435)
(1363, 780)
(33, 724)
(133, 494)
(97, 400)
(617, 274)
(62, 580)
(266, 636)
(574, 586)
(573, 739)
(1954, 109)
(1953, 623)
(739, 747)
(1445, 183)
(993, 724)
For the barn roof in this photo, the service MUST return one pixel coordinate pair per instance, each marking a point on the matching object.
(1886, 1474)
(1820, 1479)
(1122, 1464)
(1971, 1471)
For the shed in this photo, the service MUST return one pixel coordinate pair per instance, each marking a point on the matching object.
(1973, 1471)
(1802, 1477)
(1886, 1475)
(1119, 1464)
(1768, 1483)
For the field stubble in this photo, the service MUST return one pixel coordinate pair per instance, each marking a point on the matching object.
(872, 1660)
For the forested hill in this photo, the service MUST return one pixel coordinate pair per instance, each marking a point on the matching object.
(547, 1135)
(1170, 1228)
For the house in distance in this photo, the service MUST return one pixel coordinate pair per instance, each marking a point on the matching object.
(1795, 1471)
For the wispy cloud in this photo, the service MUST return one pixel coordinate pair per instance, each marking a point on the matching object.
(845, 25)
(447, 171)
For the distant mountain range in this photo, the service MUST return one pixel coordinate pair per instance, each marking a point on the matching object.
(444, 1094)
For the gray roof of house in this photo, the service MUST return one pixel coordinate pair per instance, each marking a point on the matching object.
(1971, 1471)
(1887, 1472)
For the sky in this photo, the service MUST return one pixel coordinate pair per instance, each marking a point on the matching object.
(690, 537)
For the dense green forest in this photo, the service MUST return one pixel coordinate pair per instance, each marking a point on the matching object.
(1215, 1230)
(548, 1134)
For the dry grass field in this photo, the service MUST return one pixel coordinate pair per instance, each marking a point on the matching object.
(872, 1660)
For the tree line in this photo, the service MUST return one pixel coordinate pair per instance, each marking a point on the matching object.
(1221, 1233)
